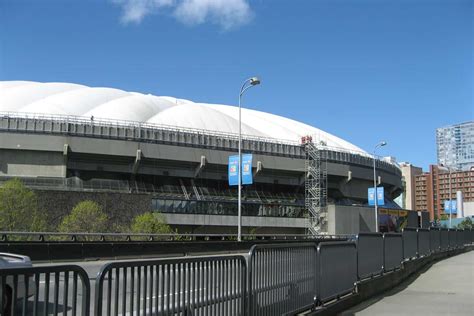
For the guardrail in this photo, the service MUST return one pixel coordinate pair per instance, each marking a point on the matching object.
(277, 279)
(337, 263)
(392, 251)
(410, 243)
(435, 239)
(423, 240)
(7, 236)
(44, 291)
(370, 255)
(189, 286)
(282, 278)
(444, 238)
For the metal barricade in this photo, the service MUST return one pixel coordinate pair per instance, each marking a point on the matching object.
(423, 242)
(369, 255)
(467, 236)
(459, 238)
(213, 285)
(452, 238)
(337, 265)
(444, 239)
(393, 251)
(48, 290)
(435, 239)
(282, 278)
(410, 243)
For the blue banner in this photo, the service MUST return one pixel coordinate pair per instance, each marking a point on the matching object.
(371, 196)
(247, 169)
(233, 170)
(247, 177)
(453, 209)
(380, 196)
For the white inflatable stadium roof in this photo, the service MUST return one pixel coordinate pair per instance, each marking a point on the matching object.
(113, 104)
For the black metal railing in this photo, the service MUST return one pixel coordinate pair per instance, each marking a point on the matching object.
(47, 290)
(282, 278)
(13, 236)
(189, 286)
(275, 279)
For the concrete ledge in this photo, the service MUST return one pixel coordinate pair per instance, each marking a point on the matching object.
(373, 287)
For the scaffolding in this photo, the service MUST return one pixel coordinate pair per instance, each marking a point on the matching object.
(315, 188)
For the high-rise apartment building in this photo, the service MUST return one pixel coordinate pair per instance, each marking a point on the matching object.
(455, 146)
(432, 189)
(408, 179)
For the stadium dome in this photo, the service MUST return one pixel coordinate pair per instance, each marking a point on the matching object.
(114, 104)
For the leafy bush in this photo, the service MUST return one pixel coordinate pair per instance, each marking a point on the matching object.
(86, 217)
(19, 208)
(150, 223)
(466, 224)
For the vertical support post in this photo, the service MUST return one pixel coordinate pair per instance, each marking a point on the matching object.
(375, 198)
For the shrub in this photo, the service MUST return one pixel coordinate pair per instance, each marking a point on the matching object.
(150, 223)
(86, 217)
(19, 208)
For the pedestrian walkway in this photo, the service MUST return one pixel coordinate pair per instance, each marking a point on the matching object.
(446, 288)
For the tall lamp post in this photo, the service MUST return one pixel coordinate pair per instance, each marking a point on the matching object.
(450, 203)
(245, 86)
(382, 143)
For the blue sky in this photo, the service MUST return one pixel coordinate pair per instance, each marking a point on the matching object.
(364, 70)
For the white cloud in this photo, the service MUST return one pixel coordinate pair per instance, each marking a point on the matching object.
(227, 14)
(135, 10)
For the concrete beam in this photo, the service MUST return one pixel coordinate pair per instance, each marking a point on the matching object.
(200, 167)
(258, 169)
(136, 164)
(65, 156)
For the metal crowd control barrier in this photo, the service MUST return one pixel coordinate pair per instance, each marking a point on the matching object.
(282, 278)
(459, 238)
(444, 239)
(393, 251)
(423, 242)
(410, 243)
(467, 236)
(369, 255)
(337, 264)
(48, 290)
(435, 239)
(452, 238)
(213, 285)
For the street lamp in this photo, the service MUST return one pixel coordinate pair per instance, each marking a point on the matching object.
(246, 85)
(449, 199)
(382, 143)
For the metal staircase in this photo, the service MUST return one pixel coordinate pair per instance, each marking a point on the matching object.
(315, 189)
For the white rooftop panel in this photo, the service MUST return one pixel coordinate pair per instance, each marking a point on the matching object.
(79, 100)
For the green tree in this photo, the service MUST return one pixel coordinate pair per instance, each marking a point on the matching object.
(150, 223)
(19, 208)
(466, 224)
(444, 217)
(86, 217)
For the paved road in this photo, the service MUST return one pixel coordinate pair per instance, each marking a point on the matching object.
(447, 288)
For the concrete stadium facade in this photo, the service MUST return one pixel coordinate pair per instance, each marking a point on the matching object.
(181, 169)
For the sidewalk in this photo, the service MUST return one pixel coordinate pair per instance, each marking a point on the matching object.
(447, 288)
